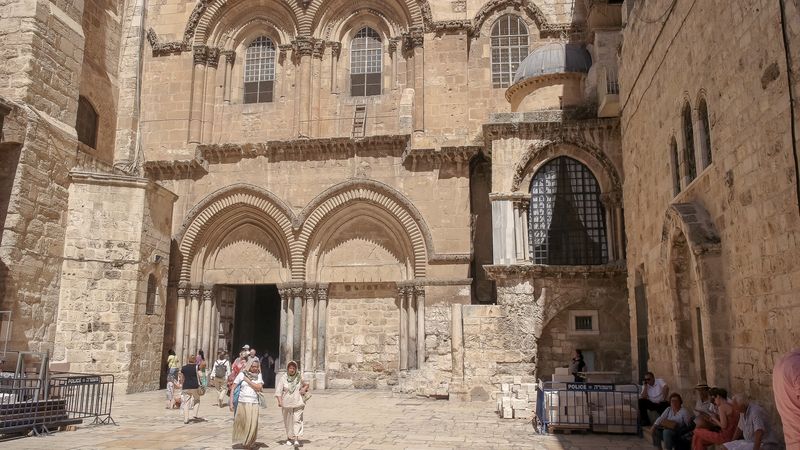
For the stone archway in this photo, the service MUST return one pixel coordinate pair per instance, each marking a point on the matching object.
(691, 252)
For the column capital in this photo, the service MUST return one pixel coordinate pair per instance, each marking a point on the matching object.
(322, 292)
(414, 38)
(612, 199)
(212, 57)
(419, 291)
(194, 291)
(336, 48)
(310, 292)
(208, 293)
(230, 56)
(183, 289)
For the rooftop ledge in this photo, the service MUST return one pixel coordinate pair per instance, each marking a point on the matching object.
(610, 270)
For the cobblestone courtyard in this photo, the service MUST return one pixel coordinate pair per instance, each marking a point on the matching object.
(334, 419)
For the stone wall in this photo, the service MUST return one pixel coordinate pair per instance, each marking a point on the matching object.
(363, 335)
(34, 221)
(743, 223)
(117, 235)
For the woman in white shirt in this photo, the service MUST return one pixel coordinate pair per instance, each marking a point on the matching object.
(672, 423)
(291, 392)
(245, 420)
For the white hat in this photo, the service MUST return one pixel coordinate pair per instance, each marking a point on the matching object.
(246, 347)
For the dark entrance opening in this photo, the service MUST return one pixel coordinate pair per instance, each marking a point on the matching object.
(257, 319)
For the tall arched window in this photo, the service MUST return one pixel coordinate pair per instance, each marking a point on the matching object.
(150, 305)
(86, 122)
(675, 166)
(567, 220)
(259, 70)
(689, 166)
(705, 129)
(509, 48)
(366, 63)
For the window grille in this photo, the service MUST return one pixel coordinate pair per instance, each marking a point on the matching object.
(366, 63)
(86, 123)
(566, 216)
(150, 306)
(690, 169)
(583, 323)
(259, 71)
(509, 48)
(674, 165)
(702, 111)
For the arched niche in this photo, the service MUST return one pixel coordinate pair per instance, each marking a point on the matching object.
(360, 243)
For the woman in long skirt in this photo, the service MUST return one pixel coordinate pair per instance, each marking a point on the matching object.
(290, 392)
(244, 402)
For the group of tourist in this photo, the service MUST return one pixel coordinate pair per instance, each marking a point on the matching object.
(736, 423)
(243, 383)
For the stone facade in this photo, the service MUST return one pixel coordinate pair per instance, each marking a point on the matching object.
(406, 233)
(712, 258)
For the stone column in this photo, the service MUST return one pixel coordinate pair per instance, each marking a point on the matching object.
(315, 88)
(304, 50)
(322, 320)
(419, 293)
(208, 298)
(519, 254)
(417, 39)
(336, 49)
(230, 57)
(180, 314)
(214, 327)
(524, 208)
(285, 349)
(457, 391)
(308, 333)
(611, 202)
(199, 55)
(412, 329)
(194, 294)
(296, 305)
(402, 293)
(209, 90)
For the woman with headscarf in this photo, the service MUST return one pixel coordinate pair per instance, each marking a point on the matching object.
(290, 392)
(244, 404)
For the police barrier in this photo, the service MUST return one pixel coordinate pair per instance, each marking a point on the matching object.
(24, 407)
(87, 396)
(599, 407)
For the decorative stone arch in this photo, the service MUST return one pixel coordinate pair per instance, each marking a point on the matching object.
(227, 206)
(591, 156)
(493, 9)
(207, 17)
(689, 232)
(231, 38)
(376, 194)
(320, 13)
(157, 270)
(344, 29)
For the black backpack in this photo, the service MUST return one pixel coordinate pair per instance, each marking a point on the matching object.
(219, 369)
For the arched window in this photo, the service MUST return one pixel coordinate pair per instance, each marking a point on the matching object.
(705, 129)
(675, 166)
(150, 306)
(567, 220)
(689, 167)
(86, 122)
(509, 48)
(259, 70)
(366, 63)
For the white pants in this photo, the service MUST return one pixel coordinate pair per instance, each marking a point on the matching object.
(293, 421)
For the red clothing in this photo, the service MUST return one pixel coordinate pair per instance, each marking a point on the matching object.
(786, 387)
(703, 436)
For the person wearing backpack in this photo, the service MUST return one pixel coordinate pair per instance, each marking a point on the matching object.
(219, 377)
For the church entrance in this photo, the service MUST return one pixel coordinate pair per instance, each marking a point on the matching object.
(256, 318)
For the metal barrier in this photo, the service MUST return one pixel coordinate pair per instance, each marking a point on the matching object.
(86, 396)
(605, 408)
(24, 407)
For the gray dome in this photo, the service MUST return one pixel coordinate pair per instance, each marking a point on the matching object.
(554, 58)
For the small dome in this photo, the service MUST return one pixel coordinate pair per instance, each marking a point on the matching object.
(554, 58)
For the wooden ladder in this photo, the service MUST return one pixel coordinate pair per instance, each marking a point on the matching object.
(360, 121)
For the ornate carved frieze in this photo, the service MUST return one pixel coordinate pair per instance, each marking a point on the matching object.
(453, 154)
(199, 54)
(304, 46)
(415, 37)
(301, 149)
(187, 169)
(230, 56)
(165, 48)
(208, 293)
(394, 42)
(527, 270)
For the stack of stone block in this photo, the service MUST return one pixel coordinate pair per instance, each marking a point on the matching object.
(516, 400)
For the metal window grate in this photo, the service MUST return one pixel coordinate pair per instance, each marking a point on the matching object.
(583, 323)
(702, 111)
(566, 216)
(259, 70)
(366, 63)
(509, 48)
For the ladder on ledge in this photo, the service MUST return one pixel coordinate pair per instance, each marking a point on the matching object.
(360, 121)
